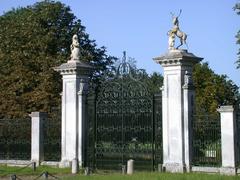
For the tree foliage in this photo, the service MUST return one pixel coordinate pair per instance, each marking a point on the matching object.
(155, 82)
(213, 90)
(33, 40)
(237, 9)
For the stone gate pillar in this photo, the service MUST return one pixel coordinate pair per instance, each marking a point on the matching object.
(75, 76)
(177, 106)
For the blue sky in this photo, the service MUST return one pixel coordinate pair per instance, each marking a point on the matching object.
(140, 27)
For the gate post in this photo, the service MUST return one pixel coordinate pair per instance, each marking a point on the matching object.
(177, 105)
(37, 146)
(75, 74)
(228, 140)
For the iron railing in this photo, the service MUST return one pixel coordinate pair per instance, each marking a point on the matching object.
(15, 139)
(52, 139)
(206, 140)
(158, 146)
(90, 131)
(237, 110)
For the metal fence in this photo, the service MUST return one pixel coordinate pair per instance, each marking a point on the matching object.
(157, 113)
(206, 140)
(15, 139)
(52, 139)
(91, 134)
(238, 133)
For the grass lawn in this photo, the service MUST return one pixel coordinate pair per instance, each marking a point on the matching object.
(153, 176)
(6, 171)
(65, 174)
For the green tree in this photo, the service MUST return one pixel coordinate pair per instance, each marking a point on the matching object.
(213, 90)
(155, 82)
(33, 40)
(237, 9)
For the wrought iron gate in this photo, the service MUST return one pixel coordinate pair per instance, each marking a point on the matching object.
(125, 123)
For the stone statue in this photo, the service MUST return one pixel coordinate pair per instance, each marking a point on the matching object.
(75, 49)
(175, 31)
(188, 79)
(171, 40)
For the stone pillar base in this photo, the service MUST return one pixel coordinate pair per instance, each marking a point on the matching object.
(174, 168)
(228, 170)
(65, 164)
(188, 169)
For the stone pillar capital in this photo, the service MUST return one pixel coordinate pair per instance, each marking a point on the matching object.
(75, 68)
(177, 57)
(38, 114)
(223, 109)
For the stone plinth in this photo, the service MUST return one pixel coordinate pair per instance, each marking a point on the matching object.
(177, 107)
(75, 75)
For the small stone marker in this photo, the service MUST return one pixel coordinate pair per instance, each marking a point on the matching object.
(13, 177)
(45, 175)
(123, 169)
(74, 166)
(160, 168)
(130, 166)
(87, 171)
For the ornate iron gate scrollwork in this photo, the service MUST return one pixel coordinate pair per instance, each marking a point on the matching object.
(126, 123)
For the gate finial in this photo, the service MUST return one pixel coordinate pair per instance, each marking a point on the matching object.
(124, 57)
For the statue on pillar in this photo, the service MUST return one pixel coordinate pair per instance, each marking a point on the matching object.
(175, 31)
(171, 40)
(188, 79)
(75, 48)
